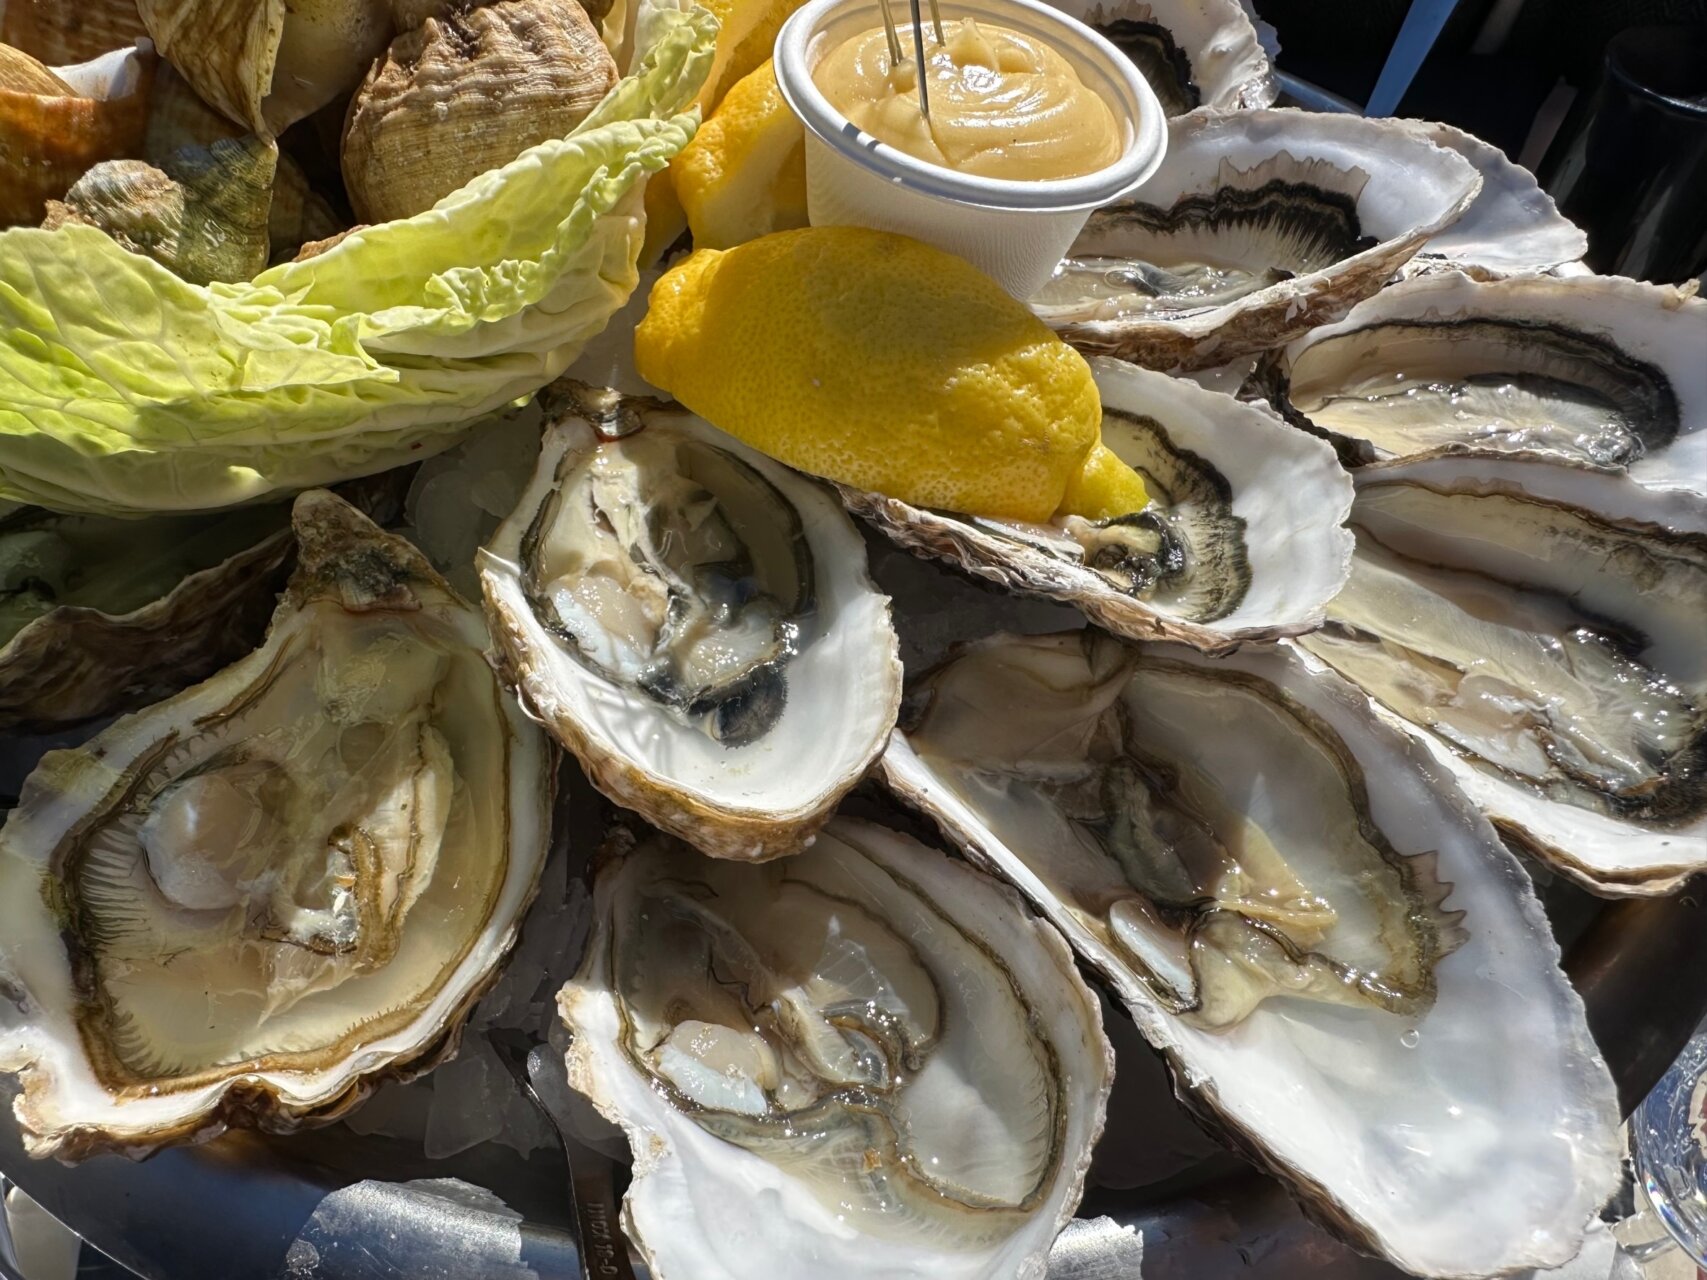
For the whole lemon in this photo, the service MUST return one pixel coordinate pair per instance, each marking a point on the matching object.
(884, 363)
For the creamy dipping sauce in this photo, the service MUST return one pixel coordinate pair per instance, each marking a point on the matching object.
(1003, 104)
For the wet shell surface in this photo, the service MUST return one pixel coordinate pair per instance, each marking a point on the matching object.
(687, 616)
(1540, 627)
(868, 1061)
(466, 93)
(1330, 946)
(1194, 53)
(1596, 371)
(250, 904)
(1258, 226)
(57, 124)
(1243, 539)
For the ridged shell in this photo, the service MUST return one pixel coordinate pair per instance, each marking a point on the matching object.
(65, 31)
(268, 63)
(1194, 53)
(467, 93)
(204, 216)
(1306, 214)
(50, 139)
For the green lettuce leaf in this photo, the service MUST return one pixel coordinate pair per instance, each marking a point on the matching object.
(125, 390)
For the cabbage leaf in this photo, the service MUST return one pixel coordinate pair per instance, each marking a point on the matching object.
(125, 390)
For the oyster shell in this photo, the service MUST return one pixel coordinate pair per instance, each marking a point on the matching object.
(100, 615)
(56, 124)
(466, 93)
(1194, 53)
(1512, 226)
(684, 614)
(866, 1061)
(204, 215)
(1540, 627)
(249, 904)
(61, 32)
(269, 63)
(1243, 538)
(1257, 226)
(1592, 370)
(1335, 953)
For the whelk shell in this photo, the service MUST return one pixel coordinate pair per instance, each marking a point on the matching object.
(267, 65)
(466, 93)
(65, 31)
(55, 125)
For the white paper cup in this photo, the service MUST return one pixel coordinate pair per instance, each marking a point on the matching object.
(1018, 232)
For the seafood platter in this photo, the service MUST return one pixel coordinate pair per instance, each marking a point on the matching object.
(922, 621)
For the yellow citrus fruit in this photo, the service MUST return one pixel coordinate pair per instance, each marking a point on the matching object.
(873, 359)
(746, 31)
(744, 174)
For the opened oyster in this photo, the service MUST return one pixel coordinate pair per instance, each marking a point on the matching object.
(688, 616)
(1334, 951)
(1243, 537)
(249, 904)
(1194, 53)
(1541, 626)
(1591, 370)
(1257, 226)
(866, 1061)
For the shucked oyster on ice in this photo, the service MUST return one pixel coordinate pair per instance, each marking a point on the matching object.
(1542, 628)
(1333, 950)
(1596, 371)
(1194, 53)
(1243, 538)
(865, 1061)
(249, 904)
(1257, 226)
(695, 622)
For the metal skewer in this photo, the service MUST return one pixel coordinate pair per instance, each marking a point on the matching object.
(919, 53)
(936, 21)
(896, 57)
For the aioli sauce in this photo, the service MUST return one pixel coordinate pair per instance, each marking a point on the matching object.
(1003, 104)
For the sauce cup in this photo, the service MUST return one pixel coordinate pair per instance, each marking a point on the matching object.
(1016, 231)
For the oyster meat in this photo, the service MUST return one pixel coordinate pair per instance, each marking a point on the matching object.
(1257, 226)
(687, 615)
(865, 1061)
(1243, 538)
(1591, 370)
(1334, 951)
(251, 903)
(1541, 626)
(1194, 53)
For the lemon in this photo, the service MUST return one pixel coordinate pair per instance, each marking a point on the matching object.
(872, 359)
(746, 31)
(744, 173)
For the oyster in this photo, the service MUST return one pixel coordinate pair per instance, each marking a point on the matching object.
(1194, 53)
(1541, 627)
(100, 615)
(1243, 538)
(204, 214)
(252, 902)
(686, 615)
(62, 32)
(1512, 226)
(867, 1061)
(57, 123)
(1257, 226)
(466, 93)
(269, 63)
(1334, 952)
(1591, 370)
